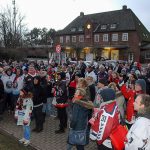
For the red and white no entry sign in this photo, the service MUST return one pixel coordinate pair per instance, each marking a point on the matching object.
(58, 48)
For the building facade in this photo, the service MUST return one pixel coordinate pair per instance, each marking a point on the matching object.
(115, 35)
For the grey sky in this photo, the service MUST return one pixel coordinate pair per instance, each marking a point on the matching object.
(59, 13)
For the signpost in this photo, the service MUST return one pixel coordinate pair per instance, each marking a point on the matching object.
(58, 50)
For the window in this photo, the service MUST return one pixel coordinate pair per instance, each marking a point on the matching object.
(96, 38)
(81, 38)
(61, 39)
(114, 37)
(105, 37)
(124, 36)
(73, 38)
(67, 39)
(147, 55)
(113, 26)
(80, 29)
(104, 26)
(73, 29)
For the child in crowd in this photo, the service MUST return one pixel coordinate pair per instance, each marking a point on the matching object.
(23, 112)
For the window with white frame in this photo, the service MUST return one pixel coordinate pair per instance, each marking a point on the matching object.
(104, 26)
(81, 38)
(115, 37)
(73, 29)
(96, 38)
(67, 39)
(105, 37)
(113, 26)
(124, 36)
(61, 39)
(73, 38)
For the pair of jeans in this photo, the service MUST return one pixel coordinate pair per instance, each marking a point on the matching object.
(26, 132)
(49, 108)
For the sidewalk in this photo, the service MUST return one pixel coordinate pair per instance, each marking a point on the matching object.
(46, 140)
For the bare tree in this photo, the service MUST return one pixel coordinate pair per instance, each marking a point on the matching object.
(12, 28)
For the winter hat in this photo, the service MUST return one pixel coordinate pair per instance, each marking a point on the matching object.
(142, 84)
(107, 94)
(62, 75)
(103, 81)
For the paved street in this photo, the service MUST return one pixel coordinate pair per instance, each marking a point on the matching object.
(46, 140)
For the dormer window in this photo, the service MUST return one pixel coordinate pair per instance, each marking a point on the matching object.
(104, 26)
(113, 26)
(80, 29)
(73, 29)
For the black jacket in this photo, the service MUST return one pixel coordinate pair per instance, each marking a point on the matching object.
(38, 95)
(61, 92)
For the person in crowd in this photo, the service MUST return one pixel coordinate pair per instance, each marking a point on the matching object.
(51, 110)
(105, 118)
(80, 112)
(61, 98)
(23, 113)
(2, 99)
(8, 79)
(71, 91)
(114, 77)
(90, 72)
(43, 83)
(38, 95)
(138, 137)
(102, 74)
(130, 95)
(82, 67)
(65, 69)
(17, 86)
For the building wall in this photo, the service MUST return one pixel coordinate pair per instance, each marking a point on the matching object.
(132, 43)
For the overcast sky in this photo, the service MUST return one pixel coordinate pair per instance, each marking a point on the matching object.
(59, 13)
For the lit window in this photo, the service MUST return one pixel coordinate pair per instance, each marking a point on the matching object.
(104, 26)
(61, 39)
(105, 37)
(67, 39)
(113, 26)
(96, 38)
(73, 38)
(81, 38)
(124, 36)
(114, 37)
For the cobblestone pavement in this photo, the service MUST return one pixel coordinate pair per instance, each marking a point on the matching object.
(46, 140)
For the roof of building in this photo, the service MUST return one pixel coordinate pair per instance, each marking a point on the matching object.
(123, 20)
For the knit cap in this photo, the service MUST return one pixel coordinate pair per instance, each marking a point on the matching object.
(107, 94)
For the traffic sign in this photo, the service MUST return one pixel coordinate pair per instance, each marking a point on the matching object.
(58, 48)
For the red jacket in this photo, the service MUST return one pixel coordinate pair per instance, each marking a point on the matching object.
(130, 95)
(106, 120)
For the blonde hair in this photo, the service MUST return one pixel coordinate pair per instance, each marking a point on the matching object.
(82, 83)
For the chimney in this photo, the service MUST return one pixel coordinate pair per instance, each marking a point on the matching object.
(81, 14)
(124, 7)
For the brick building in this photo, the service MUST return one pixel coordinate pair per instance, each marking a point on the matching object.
(115, 34)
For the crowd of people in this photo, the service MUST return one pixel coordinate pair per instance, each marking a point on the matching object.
(94, 99)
